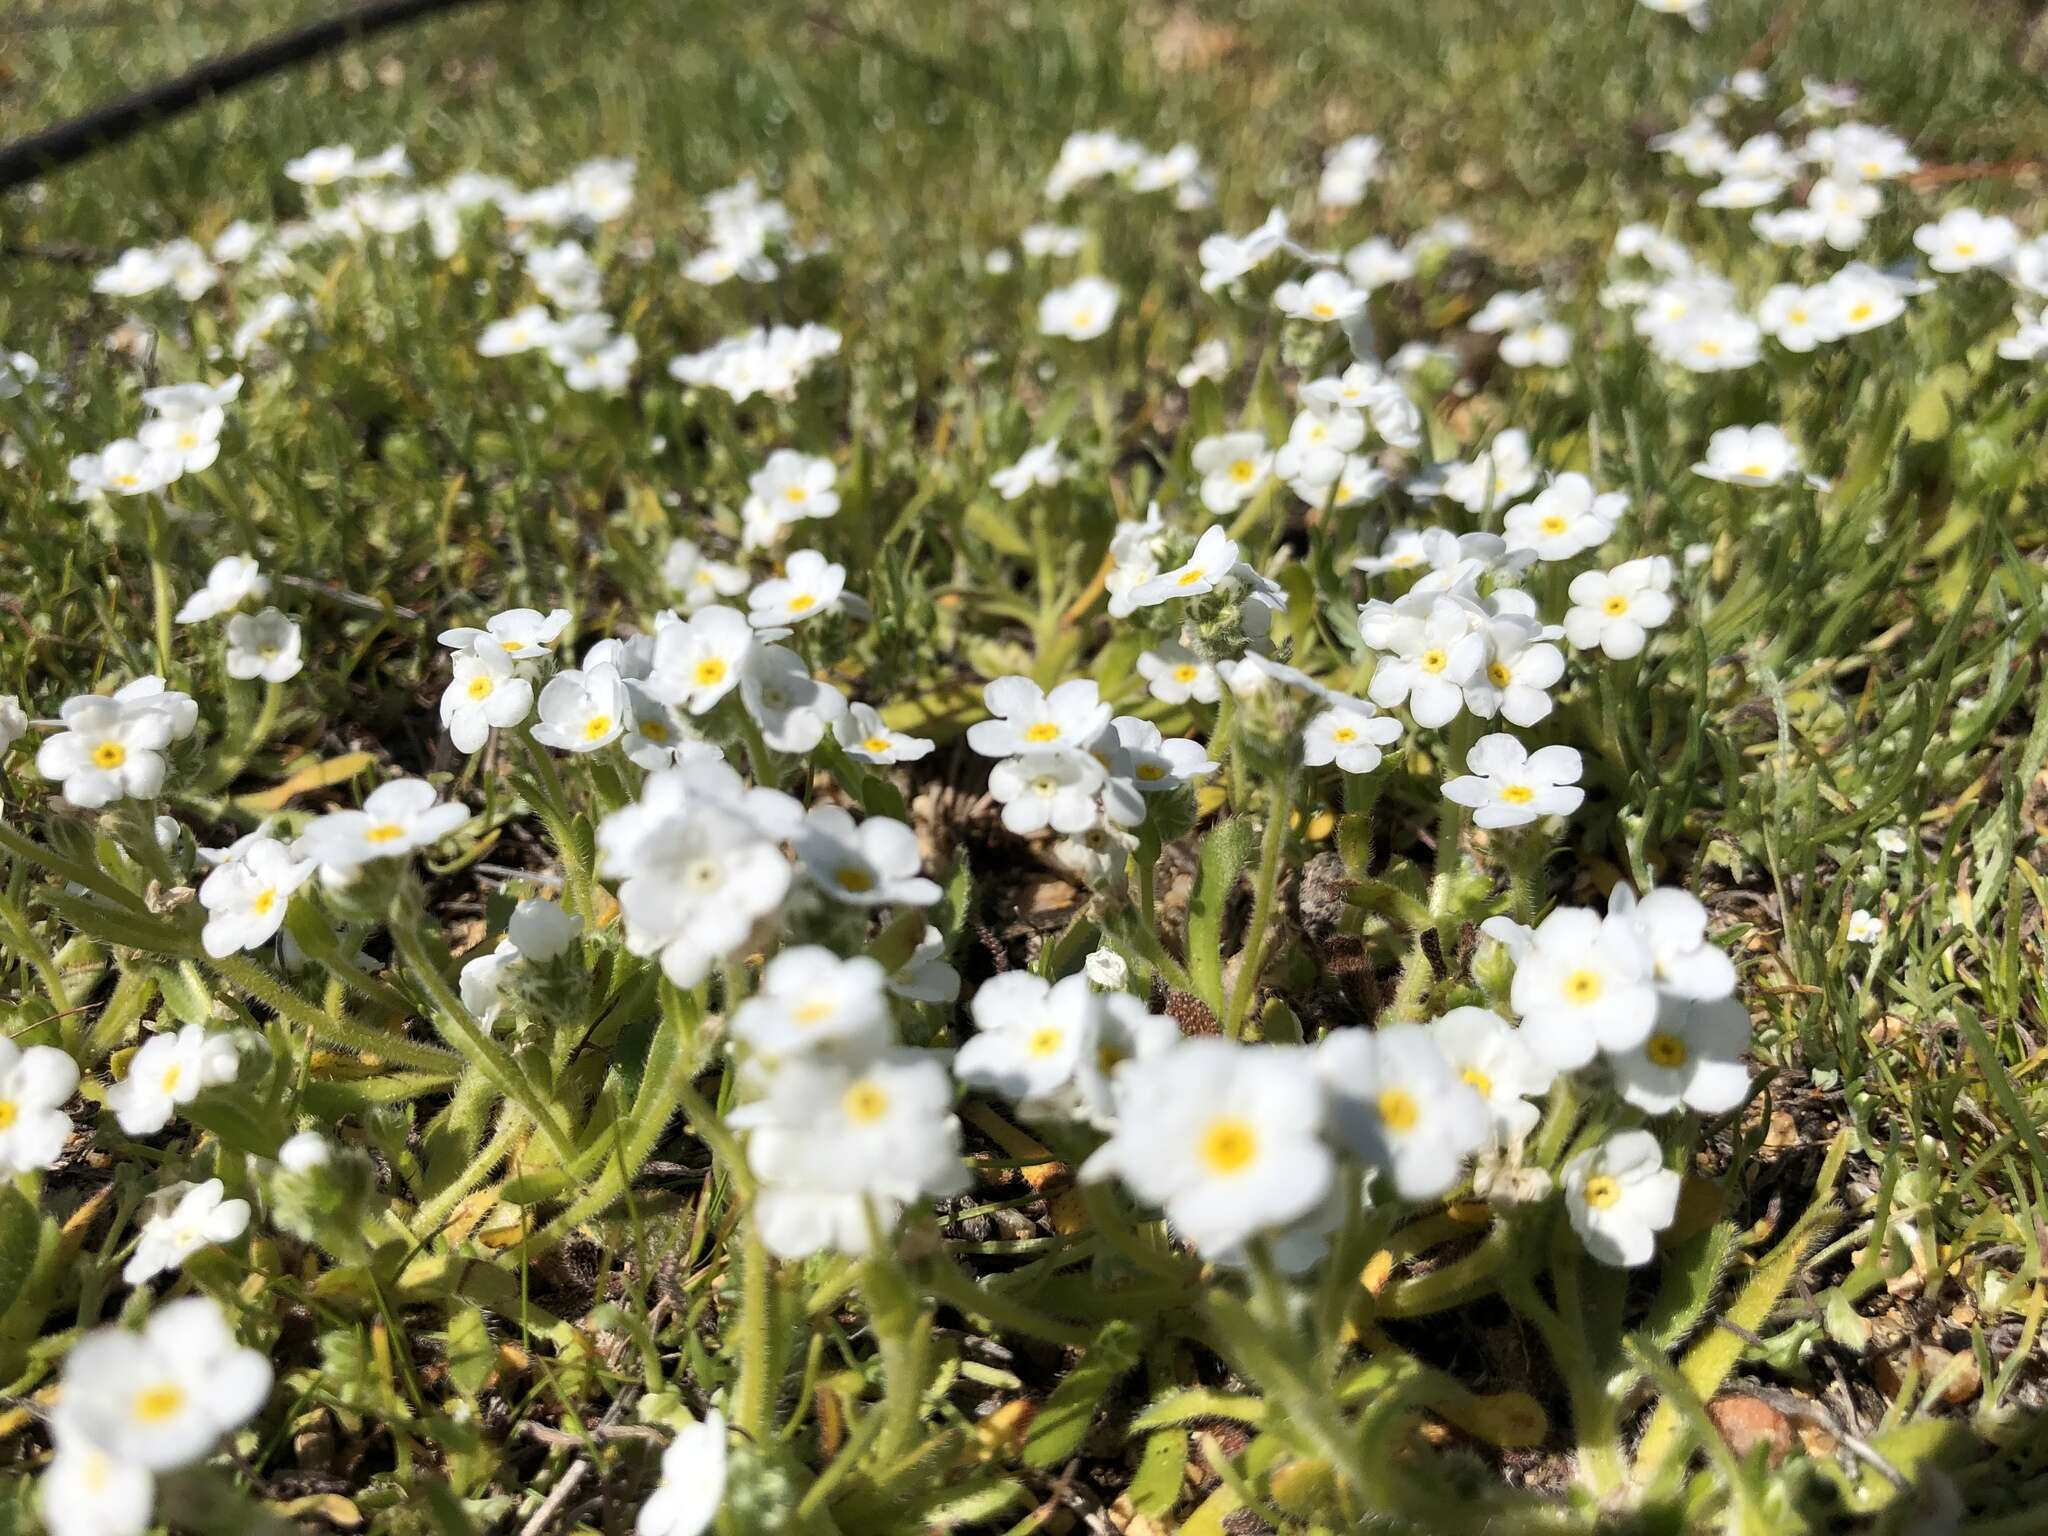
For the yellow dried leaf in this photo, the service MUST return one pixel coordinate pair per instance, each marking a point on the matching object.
(319, 775)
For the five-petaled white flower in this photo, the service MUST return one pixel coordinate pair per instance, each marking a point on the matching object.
(264, 645)
(1510, 786)
(1619, 1196)
(396, 819)
(1615, 610)
(35, 1084)
(197, 1218)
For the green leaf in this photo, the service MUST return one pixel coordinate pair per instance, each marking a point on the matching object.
(20, 1228)
(471, 1352)
(1224, 852)
(1162, 1468)
(1062, 1424)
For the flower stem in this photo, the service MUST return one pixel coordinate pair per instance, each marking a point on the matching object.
(1253, 956)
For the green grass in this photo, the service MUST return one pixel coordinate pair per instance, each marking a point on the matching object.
(1868, 659)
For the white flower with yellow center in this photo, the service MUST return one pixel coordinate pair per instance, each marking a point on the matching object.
(1040, 467)
(1964, 239)
(699, 661)
(188, 1217)
(1030, 1035)
(1081, 311)
(1510, 786)
(1173, 675)
(86, 1492)
(524, 330)
(1692, 1059)
(1028, 719)
(1502, 472)
(583, 710)
(35, 1085)
(1398, 1105)
(1326, 297)
(192, 441)
(234, 579)
(862, 733)
(1615, 610)
(1859, 298)
(396, 819)
(1760, 455)
(812, 1000)
(1491, 1057)
(124, 467)
(168, 1071)
(1672, 925)
(872, 863)
(487, 691)
(1426, 661)
(1057, 789)
(697, 578)
(810, 585)
(264, 645)
(1225, 1138)
(108, 750)
(524, 634)
(1233, 467)
(164, 1397)
(246, 898)
(1619, 1196)
(1353, 736)
(1583, 985)
(792, 708)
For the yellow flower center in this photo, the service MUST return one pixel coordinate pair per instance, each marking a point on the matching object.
(1434, 661)
(384, 832)
(1797, 317)
(1499, 675)
(1243, 470)
(802, 602)
(1186, 674)
(814, 1011)
(514, 646)
(1710, 348)
(855, 880)
(1190, 576)
(597, 727)
(1553, 524)
(480, 686)
(795, 493)
(654, 730)
(265, 900)
(1601, 1192)
(1344, 735)
(1516, 794)
(1229, 1145)
(1479, 1080)
(1583, 987)
(1322, 311)
(1045, 730)
(1615, 606)
(1966, 247)
(127, 482)
(9, 1113)
(169, 1081)
(109, 754)
(155, 1405)
(1860, 312)
(865, 1102)
(876, 744)
(1151, 773)
(1045, 1042)
(709, 672)
(1753, 472)
(1398, 1110)
(1667, 1051)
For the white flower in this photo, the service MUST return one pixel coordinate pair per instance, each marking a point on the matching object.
(164, 1397)
(1860, 298)
(810, 999)
(1318, 444)
(265, 645)
(2031, 339)
(1179, 171)
(1213, 559)
(1698, 145)
(1106, 970)
(606, 367)
(1616, 609)
(304, 1151)
(1398, 1104)
(192, 441)
(1348, 170)
(1544, 344)
(1491, 1056)
(1428, 659)
(123, 468)
(809, 585)
(1511, 310)
(1225, 1138)
(523, 330)
(86, 1492)
(177, 1231)
(1209, 360)
(1081, 311)
(1672, 925)
(139, 271)
(1325, 296)
(233, 580)
(792, 708)
(1583, 985)
(1053, 788)
(1890, 840)
(1040, 466)
(330, 163)
(1619, 1196)
(692, 1482)
(1503, 472)
(1864, 927)
(395, 820)
(1710, 339)
(168, 1071)
(1565, 519)
(246, 897)
(583, 710)
(1844, 209)
(483, 982)
(697, 881)
(263, 317)
(1141, 756)
(925, 977)
(1030, 1035)
(109, 750)
(1376, 262)
(35, 1084)
(1351, 736)
(789, 486)
(486, 691)
(1963, 239)
(863, 734)
(1027, 719)
(872, 864)
(1510, 786)
(1233, 466)
(1089, 156)
(700, 580)
(1738, 191)
(601, 190)
(699, 661)
(1174, 675)
(524, 634)
(1761, 455)
(1040, 242)
(13, 721)
(1797, 318)
(1692, 1059)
